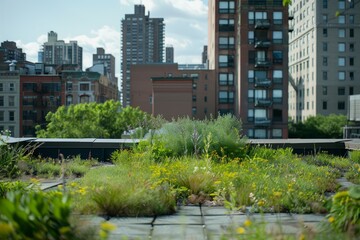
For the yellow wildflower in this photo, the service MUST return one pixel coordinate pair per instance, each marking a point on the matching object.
(331, 219)
(261, 203)
(5, 229)
(106, 226)
(277, 194)
(73, 184)
(247, 223)
(302, 237)
(240, 230)
(64, 230)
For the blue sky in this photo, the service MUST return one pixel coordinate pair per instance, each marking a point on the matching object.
(95, 23)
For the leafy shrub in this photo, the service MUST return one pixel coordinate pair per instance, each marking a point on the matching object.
(353, 174)
(6, 187)
(36, 215)
(345, 211)
(193, 137)
(48, 169)
(355, 156)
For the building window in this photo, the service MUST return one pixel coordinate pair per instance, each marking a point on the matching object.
(325, 18)
(324, 90)
(341, 33)
(351, 19)
(325, 76)
(84, 87)
(351, 47)
(341, 91)
(226, 97)
(226, 6)
(194, 111)
(351, 61)
(351, 75)
(69, 86)
(277, 57)
(325, 62)
(11, 116)
(325, 4)
(351, 32)
(351, 90)
(341, 47)
(341, 105)
(277, 37)
(277, 133)
(205, 98)
(84, 99)
(11, 87)
(194, 98)
(325, 33)
(250, 115)
(226, 61)
(277, 76)
(226, 25)
(1, 87)
(1, 101)
(341, 4)
(341, 19)
(11, 101)
(277, 115)
(194, 86)
(250, 133)
(251, 37)
(341, 76)
(260, 133)
(278, 17)
(69, 100)
(251, 76)
(324, 105)
(1, 116)
(277, 96)
(325, 46)
(341, 61)
(226, 42)
(226, 79)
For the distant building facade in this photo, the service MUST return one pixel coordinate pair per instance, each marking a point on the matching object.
(324, 60)
(251, 63)
(9, 102)
(164, 89)
(142, 42)
(169, 54)
(108, 62)
(57, 52)
(10, 52)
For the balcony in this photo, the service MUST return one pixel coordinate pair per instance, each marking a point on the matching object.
(262, 43)
(263, 82)
(262, 63)
(262, 122)
(263, 102)
(262, 24)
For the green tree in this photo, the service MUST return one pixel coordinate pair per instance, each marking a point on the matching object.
(319, 127)
(92, 120)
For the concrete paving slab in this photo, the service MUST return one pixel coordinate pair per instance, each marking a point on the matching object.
(181, 232)
(189, 210)
(225, 220)
(132, 220)
(217, 210)
(131, 230)
(309, 217)
(178, 220)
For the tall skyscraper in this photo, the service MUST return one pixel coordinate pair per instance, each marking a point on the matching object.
(169, 54)
(248, 48)
(108, 60)
(58, 52)
(142, 42)
(324, 60)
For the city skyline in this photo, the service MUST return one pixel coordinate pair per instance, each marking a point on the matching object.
(100, 25)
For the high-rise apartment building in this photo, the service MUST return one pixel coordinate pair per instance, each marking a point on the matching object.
(58, 52)
(142, 42)
(248, 48)
(10, 52)
(169, 54)
(324, 57)
(108, 61)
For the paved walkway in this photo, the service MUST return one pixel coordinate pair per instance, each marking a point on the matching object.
(194, 222)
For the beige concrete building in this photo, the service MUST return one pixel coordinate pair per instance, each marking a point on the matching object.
(9, 102)
(248, 49)
(324, 57)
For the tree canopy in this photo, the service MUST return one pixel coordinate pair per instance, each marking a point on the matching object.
(319, 127)
(93, 120)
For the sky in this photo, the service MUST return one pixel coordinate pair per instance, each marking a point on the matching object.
(97, 23)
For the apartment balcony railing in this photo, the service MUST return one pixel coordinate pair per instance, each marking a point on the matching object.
(263, 102)
(262, 43)
(262, 122)
(263, 82)
(262, 63)
(262, 24)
